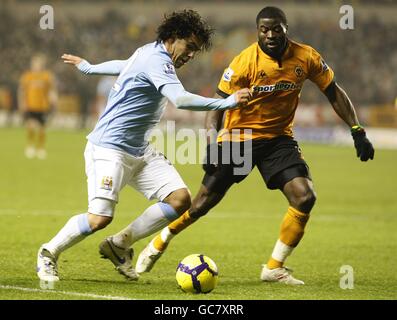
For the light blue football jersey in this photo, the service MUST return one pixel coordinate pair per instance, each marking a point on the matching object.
(135, 104)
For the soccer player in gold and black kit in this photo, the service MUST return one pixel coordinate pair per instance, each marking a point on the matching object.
(36, 95)
(275, 68)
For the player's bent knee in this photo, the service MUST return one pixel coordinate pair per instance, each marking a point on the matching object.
(98, 222)
(183, 204)
(180, 200)
(100, 213)
(306, 202)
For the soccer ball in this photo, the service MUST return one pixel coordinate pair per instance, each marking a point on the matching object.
(197, 274)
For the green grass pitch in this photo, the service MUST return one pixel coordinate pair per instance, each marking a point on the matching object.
(353, 223)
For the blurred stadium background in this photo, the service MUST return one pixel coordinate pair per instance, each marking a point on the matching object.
(364, 59)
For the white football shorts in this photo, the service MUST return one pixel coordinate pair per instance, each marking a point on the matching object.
(109, 170)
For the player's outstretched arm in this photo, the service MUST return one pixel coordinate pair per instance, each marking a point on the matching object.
(112, 67)
(345, 110)
(189, 101)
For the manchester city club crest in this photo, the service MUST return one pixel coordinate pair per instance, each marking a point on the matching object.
(107, 183)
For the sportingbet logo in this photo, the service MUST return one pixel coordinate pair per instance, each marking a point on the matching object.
(279, 86)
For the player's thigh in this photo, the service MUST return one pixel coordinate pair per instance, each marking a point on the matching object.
(158, 178)
(224, 172)
(283, 163)
(42, 119)
(219, 181)
(30, 120)
(107, 173)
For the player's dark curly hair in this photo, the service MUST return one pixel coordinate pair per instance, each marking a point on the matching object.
(271, 12)
(184, 24)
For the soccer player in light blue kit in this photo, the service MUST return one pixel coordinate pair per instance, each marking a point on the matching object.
(118, 152)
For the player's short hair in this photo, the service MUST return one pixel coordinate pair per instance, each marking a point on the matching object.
(271, 12)
(184, 24)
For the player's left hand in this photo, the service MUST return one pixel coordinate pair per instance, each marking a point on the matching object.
(364, 147)
(71, 59)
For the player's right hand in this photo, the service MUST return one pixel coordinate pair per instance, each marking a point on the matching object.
(71, 59)
(243, 96)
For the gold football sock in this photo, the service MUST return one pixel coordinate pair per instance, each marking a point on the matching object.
(274, 264)
(160, 242)
(181, 223)
(292, 230)
(293, 226)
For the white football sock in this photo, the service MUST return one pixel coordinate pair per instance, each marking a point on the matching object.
(166, 235)
(150, 221)
(281, 251)
(75, 230)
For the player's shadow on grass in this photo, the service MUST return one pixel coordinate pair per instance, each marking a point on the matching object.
(121, 281)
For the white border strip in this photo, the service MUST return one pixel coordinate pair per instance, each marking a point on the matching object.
(70, 293)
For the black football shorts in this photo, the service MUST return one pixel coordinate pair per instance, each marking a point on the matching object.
(40, 117)
(278, 160)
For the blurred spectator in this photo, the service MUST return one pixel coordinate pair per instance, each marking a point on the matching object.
(6, 103)
(36, 95)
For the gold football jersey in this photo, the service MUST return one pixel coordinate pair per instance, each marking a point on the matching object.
(276, 87)
(36, 87)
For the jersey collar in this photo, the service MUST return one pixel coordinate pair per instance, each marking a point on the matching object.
(162, 45)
